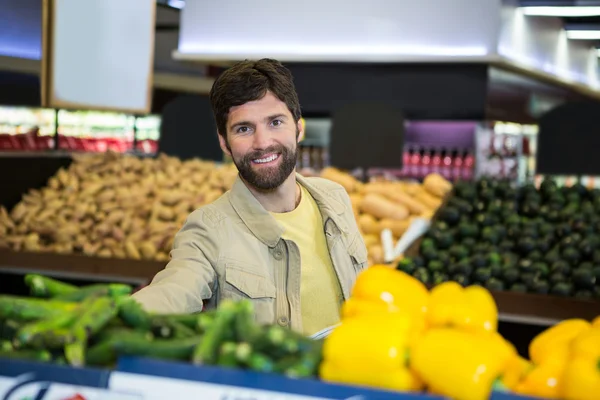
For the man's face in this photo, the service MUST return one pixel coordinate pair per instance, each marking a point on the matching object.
(262, 141)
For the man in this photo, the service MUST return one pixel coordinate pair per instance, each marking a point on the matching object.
(288, 243)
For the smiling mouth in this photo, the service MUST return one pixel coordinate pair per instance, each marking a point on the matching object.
(267, 159)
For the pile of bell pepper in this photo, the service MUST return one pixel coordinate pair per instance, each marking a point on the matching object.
(396, 334)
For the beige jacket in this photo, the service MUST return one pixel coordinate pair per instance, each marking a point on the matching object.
(233, 249)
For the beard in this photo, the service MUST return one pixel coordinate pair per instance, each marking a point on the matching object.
(268, 178)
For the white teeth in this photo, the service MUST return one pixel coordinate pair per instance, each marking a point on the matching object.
(266, 159)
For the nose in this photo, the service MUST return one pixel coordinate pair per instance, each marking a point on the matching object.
(262, 139)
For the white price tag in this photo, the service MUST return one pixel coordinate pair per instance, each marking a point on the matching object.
(160, 388)
(58, 391)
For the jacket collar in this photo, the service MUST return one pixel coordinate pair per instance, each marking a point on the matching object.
(264, 226)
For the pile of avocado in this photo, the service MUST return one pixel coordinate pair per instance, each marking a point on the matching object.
(522, 239)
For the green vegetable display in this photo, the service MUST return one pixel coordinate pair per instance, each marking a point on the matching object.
(95, 324)
(542, 240)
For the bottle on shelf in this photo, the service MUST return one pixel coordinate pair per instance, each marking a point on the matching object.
(436, 161)
(457, 165)
(468, 166)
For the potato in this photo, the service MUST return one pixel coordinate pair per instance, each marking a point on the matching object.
(368, 224)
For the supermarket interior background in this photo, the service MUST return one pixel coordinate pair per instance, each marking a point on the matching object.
(462, 130)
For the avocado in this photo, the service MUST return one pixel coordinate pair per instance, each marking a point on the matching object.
(479, 206)
(586, 248)
(465, 190)
(596, 272)
(463, 206)
(562, 289)
(554, 215)
(548, 186)
(444, 257)
(561, 267)
(469, 242)
(468, 230)
(571, 255)
(510, 275)
(583, 278)
(439, 277)
(530, 208)
(490, 235)
(535, 255)
(481, 275)
(510, 260)
(495, 207)
(406, 265)
(518, 288)
(541, 268)
(530, 231)
(444, 240)
(481, 248)
(496, 270)
(546, 229)
(540, 286)
(461, 279)
(464, 266)
(513, 220)
(427, 243)
(418, 261)
(494, 284)
(487, 195)
(568, 241)
(479, 260)
(506, 245)
(543, 245)
(458, 251)
(485, 219)
(557, 277)
(494, 258)
(586, 265)
(596, 257)
(579, 189)
(525, 265)
(551, 257)
(584, 294)
(436, 265)
(440, 226)
(429, 254)
(449, 214)
(422, 274)
(529, 278)
(563, 230)
(526, 245)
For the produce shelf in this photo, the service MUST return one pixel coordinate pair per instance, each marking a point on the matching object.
(137, 378)
(53, 264)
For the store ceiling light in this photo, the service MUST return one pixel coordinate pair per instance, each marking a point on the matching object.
(568, 11)
(583, 31)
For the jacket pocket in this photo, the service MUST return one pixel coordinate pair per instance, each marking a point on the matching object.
(244, 281)
(358, 253)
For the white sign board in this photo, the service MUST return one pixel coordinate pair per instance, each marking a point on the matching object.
(98, 54)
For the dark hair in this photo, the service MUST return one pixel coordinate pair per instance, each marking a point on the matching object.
(250, 80)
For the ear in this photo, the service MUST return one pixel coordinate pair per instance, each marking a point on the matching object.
(300, 127)
(223, 144)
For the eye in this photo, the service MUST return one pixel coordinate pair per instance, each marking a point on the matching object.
(243, 129)
(277, 122)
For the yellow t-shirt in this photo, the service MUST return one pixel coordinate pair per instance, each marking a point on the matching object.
(320, 293)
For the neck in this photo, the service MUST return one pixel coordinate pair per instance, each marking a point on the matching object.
(283, 199)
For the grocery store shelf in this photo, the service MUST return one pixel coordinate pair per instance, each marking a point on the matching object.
(80, 265)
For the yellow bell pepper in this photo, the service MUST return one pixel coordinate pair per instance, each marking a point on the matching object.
(550, 351)
(555, 340)
(518, 367)
(382, 284)
(459, 364)
(542, 381)
(582, 372)
(596, 323)
(370, 351)
(471, 309)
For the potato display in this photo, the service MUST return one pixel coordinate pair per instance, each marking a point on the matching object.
(120, 206)
(112, 205)
(389, 205)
